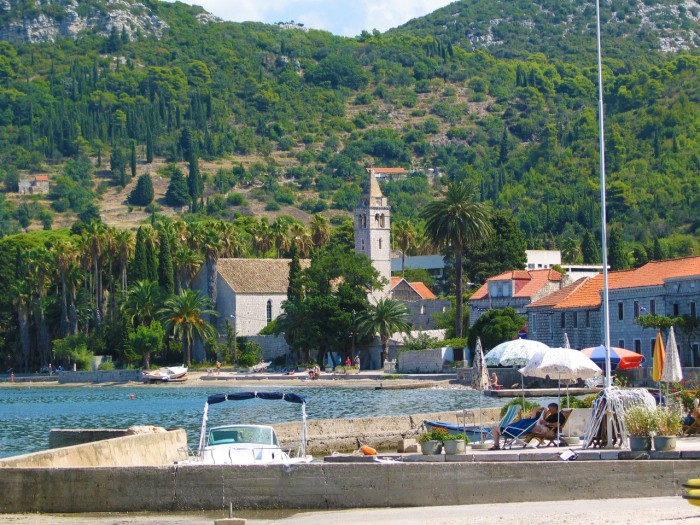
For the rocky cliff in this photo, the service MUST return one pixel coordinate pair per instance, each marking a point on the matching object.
(35, 22)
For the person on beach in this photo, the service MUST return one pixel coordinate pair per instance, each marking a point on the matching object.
(546, 420)
(218, 367)
(494, 382)
(693, 413)
(347, 361)
(357, 361)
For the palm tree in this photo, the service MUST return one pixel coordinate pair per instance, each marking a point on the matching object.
(124, 242)
(570, 250)
(457, 222)
(187, 263)
(301, 236)
(280, 232)
(405, 237)
(141, 303)
(262, 236)
(320, 230)
(234, 243)
(183, 315)
(384, 318)
(65, 255)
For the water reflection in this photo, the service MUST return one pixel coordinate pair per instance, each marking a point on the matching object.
(27, 415)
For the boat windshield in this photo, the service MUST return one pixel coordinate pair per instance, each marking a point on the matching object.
(258, 435)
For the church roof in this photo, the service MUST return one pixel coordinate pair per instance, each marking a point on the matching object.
(257, 275)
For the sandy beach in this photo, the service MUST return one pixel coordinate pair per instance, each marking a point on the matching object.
(364, 379)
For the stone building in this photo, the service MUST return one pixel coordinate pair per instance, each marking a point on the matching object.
(36, 185)
(421, 302)
(669, 288)
(515, 289)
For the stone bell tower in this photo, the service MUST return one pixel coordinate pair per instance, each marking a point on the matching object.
(373, 231)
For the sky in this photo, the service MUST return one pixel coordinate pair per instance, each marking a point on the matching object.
(340, 17)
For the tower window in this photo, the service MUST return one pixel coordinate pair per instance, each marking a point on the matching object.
(376, 219)
(381, 220)
(362, 245)
(380, 244)
(269, 311)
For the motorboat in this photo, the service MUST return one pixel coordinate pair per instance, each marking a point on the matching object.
(167, 373)
(248, 444)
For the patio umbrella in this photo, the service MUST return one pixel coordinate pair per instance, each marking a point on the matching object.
(659, 358)
(619, 357)
(566, 341)
(517, 352)
(561, 363)
(480, 379)
(672, 372)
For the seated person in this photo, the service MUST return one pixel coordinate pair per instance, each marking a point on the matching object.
(520, 424)
(551, 419)
(693, 413)
(494, 382)
(546, 420)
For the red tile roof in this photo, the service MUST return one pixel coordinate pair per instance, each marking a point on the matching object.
(587, 294)
(555, 298)
(527, 282)
(42, 178)
(386, 170)
(422, 290)
(395, 279)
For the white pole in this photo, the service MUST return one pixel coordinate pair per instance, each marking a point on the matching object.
(603, 220)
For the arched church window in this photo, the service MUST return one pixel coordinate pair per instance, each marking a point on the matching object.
(381, 220)
(376, 219)
(269, 311)
(362, 245)
(364, 221)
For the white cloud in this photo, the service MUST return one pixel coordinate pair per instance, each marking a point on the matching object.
(341, 17)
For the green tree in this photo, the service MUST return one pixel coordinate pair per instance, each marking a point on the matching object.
(495, 327)
(142, 194)
(146, 341)
(618, 258)
(405, 237)
(166, 278)
(589, 249)
(142, 302)
(183, 316)
(501, 251)
(457, 222)
(139, 268)
(177, 193)
(384, 319)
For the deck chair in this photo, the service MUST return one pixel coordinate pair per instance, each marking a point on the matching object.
(550, 438)
(514, 433)
(512, 414)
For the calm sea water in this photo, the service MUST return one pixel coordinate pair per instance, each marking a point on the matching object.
(27, 415)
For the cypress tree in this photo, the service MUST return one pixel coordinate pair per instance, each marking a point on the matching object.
(294, 288)
(166, 279)
(617, 254)
(139, 271)
(177, 194)
(149, 145)
(142, 194)
(589, 249)
(132, 159)
(151, 260)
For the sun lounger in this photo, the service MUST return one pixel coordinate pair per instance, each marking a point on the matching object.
(551, 437)
(515, 433)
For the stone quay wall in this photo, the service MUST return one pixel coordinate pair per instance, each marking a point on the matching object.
(154, 448)
(333, 486)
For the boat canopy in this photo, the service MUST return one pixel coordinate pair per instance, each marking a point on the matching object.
(242, 396)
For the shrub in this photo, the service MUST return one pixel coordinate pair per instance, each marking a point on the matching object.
(640, 420)
(669, 420)
(456, 437)
(106, 365)
(436, 434)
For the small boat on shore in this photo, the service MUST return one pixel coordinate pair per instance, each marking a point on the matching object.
(473, 432)
(247, 444)
(167, 373)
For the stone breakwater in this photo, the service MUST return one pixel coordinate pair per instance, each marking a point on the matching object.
(326, 436)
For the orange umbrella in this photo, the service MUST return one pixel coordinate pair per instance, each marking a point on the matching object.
(659, 357)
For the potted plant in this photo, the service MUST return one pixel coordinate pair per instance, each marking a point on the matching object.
(455, 444)
(640, 422)
(669, 424)
(431, 441)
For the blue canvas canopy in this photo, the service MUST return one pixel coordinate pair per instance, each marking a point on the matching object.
(242, 396)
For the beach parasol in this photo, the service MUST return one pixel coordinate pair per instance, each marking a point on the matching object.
(517, 352)
(619, 357)
(672, 372)
(561, 363)
(659, 358)
(566, 341)
(480, 379)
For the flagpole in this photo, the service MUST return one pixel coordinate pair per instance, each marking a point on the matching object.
(603, 220)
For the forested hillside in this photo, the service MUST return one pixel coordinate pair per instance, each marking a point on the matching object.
(293, 116)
